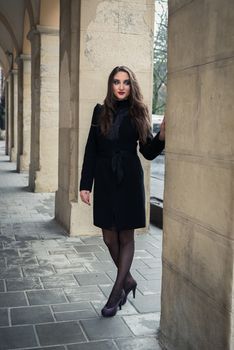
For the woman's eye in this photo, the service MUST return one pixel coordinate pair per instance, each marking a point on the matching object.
(116, 82)
(127, 82)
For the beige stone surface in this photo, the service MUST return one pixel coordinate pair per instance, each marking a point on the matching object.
(26, 115)
(206, 195)
(110, 32)
(189, 257)
(205, 324)
(14, 149)
(197, 289)
(201, 25)
(45, 111)
(202, 92)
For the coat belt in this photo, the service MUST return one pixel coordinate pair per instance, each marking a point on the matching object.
(117, 161)
(117, 164)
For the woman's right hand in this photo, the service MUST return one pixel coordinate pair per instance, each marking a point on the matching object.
(85, 196)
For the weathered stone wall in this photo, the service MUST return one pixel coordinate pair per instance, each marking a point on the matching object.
(110, 33)
(25, 125)
(43, 175)
(197, 288)
(14, 145)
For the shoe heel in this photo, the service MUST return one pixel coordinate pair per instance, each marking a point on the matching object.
(134, 292)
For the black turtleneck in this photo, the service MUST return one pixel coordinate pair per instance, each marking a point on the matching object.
(121, 111)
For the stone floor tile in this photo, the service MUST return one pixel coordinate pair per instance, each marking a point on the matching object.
(47, 244)
(142, 254)
(62, 251)
(100, 266)
(135, 274)
(105, 328)
(88, 248)
(22, 261)
(17, 245)
(41, 271)
(26, 237)
(92, 279)
(94, 345)
(45, 297)
(149, 287)
(33, 252)
(59, 280)
(11, 272)
(147, 303)
(17, 337)
(76, 259)
(138, 264)
(72, 307)
(86, 297)
(143, 324)
(9, 252)
(74, 315)
(103, 256)
(54, 260)
(31, 315)
(11, 299)
(153, 263)
(70, 269)
(20, 284)
(4, 321)
(60, 333)
(146, 343)
(92, 240)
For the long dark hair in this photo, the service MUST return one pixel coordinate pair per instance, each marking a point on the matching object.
(138, 110)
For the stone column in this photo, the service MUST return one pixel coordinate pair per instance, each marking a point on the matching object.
(6, 117)
(24, 112)
(14, 144)
(95, 37)
(198, 257)
(10, 114)
(43, 173)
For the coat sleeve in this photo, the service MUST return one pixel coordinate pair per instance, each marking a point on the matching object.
(152, 148)
(89, 162)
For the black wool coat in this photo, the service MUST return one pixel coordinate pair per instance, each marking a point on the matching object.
(115, 168)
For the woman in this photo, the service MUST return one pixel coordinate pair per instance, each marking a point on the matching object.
(111, 160)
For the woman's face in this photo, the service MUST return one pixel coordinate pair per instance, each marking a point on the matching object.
(121, 85)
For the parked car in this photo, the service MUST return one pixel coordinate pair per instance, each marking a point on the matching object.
(156, 122)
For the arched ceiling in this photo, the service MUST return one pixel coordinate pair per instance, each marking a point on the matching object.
(12, 11)
(12, 19)
(12, 14)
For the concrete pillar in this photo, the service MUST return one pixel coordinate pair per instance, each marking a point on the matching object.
(10, 114)
(14, 144)
(24, 112)
(95, 37)
(197, 286)
(43, 173)
(6, 117)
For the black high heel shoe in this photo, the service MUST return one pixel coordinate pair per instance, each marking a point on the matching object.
(111, 311)
(128, 290)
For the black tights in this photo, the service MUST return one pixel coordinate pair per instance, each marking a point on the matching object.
(121, 248)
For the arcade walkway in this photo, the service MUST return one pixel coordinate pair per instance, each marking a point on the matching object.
(52, 287)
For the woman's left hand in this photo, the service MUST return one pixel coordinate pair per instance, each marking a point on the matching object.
(162, 130)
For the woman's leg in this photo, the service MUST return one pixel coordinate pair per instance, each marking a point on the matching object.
(125, 257)
(111, 239)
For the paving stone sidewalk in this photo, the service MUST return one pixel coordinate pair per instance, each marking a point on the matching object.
(52, 287)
